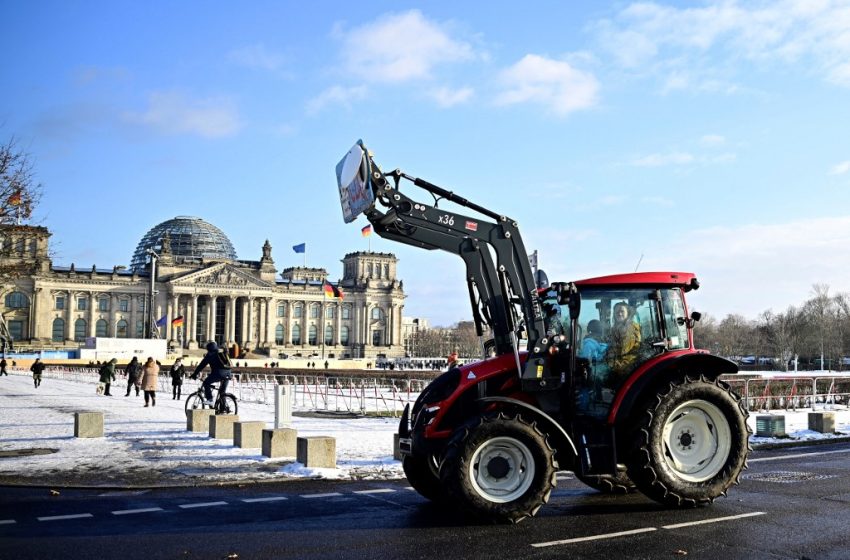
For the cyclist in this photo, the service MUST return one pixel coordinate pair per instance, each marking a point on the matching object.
(219, 364)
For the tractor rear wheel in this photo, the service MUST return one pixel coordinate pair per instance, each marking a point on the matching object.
(499, 467)
(423, 474)
(691, 443)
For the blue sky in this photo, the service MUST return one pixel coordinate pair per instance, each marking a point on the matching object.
(705, 137)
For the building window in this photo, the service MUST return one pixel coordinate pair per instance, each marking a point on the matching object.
(58, 330)
(296, 311)
(142, 305)
(60, 302)
(82, 304)
(281, 310)
(377, 336)
(346, 312)
(80, 330)
(387, 271)
(296, 335)
(124, 305)
(330, 312)
(122, 329)
(314, 336)
(377, 314)
(103, 304)
(100, 328)
(140, 329)
(278, 335)
(314, 311)
(16, 300)
(343, 336)
(329, 335)
(16, 329)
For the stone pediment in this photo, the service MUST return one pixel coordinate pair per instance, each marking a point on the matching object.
(220, 276)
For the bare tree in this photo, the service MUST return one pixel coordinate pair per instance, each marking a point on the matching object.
(19, 192)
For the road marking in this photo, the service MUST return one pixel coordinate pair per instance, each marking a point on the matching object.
(122, 493)
(328, 495)
(272, 499)
(61, 517)
(714, 520)
(797, 456)
(596, 537)
(7, 521)
(376, 491)
(203, 504)
(130, 511)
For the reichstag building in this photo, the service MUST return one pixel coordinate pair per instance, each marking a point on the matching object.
(186, 284)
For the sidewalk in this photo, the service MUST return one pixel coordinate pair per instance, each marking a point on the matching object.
(146, 447)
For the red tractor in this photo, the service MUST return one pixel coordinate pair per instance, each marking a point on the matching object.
(608, 385)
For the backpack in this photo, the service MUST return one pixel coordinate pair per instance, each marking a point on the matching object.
(104, 370)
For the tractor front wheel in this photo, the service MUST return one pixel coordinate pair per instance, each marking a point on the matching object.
(691, 443)
(423, 474)
(500, 468)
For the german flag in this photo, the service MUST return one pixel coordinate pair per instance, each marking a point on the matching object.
(331, 291)
(15, 198)
(366, 231)
(177, 321)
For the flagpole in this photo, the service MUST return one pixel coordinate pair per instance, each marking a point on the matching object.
(324, 315)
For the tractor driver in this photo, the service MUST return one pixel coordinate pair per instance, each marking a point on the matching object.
(624, 342)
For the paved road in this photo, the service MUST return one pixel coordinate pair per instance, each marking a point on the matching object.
(792, 503)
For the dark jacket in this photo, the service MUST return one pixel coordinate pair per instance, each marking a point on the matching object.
(177, 372)
(218, 362)
(107, 372)
(37, 367)
(134, 370)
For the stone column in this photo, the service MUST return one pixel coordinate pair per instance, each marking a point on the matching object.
(211, 318)
(267, 319)
(232, 321)
(69, 316)
(367, 339)
(249, 329)
(92, 302)
(192, 322)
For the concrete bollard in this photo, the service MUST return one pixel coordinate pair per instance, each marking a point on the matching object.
(279, 442)
(317, 452)
(823, 422)
(221, 425)
(198, 419)
(396, 450)
(283, 405)
(88, 424)
(248, 434)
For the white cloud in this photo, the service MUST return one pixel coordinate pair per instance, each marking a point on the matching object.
(659, 201)
(712, 140)
(841, 168)
(447, 97)
(660, 160)
(175, 113)
(336, 95)
(257, 57)
(554, 84)
(647, 36)
(400, 47)
(785, 258)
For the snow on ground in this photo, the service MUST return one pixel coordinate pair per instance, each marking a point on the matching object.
(151, 447)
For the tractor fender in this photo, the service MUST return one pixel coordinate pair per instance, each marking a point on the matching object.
(661, 372)
(545, 418)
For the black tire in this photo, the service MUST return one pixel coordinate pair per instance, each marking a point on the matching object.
(691, 443)
(619, 483)
(423, 474)
(500, 468)
(195, 401)
(226, 405)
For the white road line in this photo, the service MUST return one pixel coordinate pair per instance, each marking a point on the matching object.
(328, 495)
(376, 491)
(596, 537)
(714, 520)
(131, 511)
(797, 456)
(7, 521)
(271, 499)
(203, 504)
(61, 517)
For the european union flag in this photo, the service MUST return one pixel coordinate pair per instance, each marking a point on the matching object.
(300, 248)
(162, 321)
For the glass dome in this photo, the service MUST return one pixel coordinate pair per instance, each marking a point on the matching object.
(191, 238)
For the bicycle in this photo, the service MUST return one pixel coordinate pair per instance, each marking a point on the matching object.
(225, 403)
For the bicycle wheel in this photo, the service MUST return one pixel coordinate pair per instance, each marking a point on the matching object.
(226, 404)
(195, 401)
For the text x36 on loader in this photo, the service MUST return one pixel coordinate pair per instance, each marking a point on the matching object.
(609, 384)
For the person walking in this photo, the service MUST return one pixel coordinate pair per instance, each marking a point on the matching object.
(3, 367)
(150, 375)
(177, 372)
(107, 375)
(37, 368)
(219, 364)
(133, 372)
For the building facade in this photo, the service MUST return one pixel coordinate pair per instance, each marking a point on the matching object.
(186, 285)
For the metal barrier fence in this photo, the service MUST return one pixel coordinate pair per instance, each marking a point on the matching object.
(790, 393)
(389, 396)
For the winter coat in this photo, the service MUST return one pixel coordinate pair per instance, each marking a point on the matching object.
(177, 372)
(218, 362)
(623, 351)
(134, 371)
(37, 368)
(107, 373)
(150, 373)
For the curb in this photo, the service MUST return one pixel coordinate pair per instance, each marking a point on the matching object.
(799, 443)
